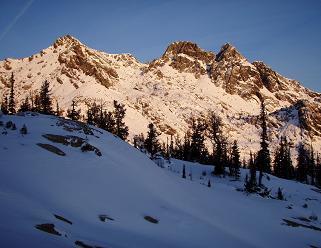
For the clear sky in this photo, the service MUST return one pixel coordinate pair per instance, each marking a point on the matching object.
(284, 34)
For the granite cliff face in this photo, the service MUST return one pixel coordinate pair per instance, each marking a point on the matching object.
(185, 81)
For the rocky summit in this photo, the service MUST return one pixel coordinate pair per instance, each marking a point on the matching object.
(185, 81)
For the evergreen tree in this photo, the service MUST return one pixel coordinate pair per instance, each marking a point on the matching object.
(252, 167)
(58, 113)
(218, 141)
(37, 104)
(151, 142)
(45, 100)
(4, 105)
(235, 161)
(184, 172)
(73, 113)
(197, 139)
(25, 106)
(139, 141)
(302, 164)
(311, 166)
(109, 123)
(263, 158)
(318, 172)
(24, 130)
(280, 194)
(282, 160)
(93, 114)
(12, 103)
(209, 183)
(121, 130)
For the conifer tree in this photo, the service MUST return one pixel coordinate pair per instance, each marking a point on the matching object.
(12, 103)
(4, 105)
(252, 167)
(184, 172)
(37, 104)
(187, 146)
(283, 167)
(109, 123)
(209, 183)
(151, 142)
(302, 164)
(197, 139)
(93, 114)
(280, 194)
(24, 130)
(311, 166)
(45, 99)
(73, 113)
(318, 172)
(235, 161)
(25, 106)
(218, 141)
(58, 113)
(263, 157)
(121, 130)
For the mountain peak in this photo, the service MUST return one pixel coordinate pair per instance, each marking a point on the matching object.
(228, 52)
(66, 40)
(188, 48)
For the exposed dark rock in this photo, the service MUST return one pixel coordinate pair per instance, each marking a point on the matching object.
(104, 217)
(62, 219)
(48, 228)
(52, 149)
(151, 219)
(296, 224)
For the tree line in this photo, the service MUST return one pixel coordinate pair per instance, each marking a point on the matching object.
(111, 121)
(192, 146)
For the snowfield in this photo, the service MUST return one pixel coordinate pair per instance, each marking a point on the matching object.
(123, 199)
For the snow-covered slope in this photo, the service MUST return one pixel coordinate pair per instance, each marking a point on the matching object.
(114, 182)
(185, 81)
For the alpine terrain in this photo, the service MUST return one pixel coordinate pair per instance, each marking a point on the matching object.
(185, 81)
(64, 183)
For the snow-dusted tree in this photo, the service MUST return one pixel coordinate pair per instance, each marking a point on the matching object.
(24, 130)
(151, 142)
(121, 130)
(184, 172)
(108, 122)
(198, 128)
(58, 110)
(282, 160)
(318, 171)
(45, 99)
(25, 106)
(263, 157)
(73, 113)
(302, 165)
(235, 161)
(311, 166)
(12, 103)
(4, 105)
(251, 183)
(214, 124)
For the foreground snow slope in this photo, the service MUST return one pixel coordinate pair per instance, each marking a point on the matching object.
(126, 186)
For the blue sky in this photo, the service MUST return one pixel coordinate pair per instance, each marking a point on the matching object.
(284, 34)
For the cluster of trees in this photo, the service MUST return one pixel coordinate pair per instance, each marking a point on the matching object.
(41, 102)
(224, 154)
(112, 121)
(193, 147)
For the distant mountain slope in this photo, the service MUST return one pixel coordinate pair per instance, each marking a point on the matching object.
(185, 81)
(54, 195)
